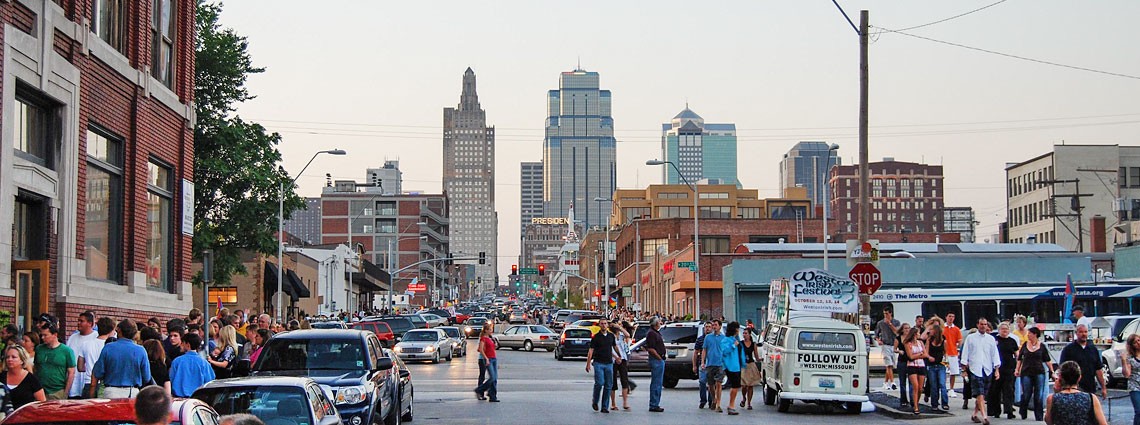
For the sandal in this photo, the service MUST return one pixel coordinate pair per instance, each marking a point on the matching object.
(749, 407)
(626, 407)
(975, 419)
(732, 411)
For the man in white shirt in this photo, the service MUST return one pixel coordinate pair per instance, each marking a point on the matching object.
(980, 360)
(1079, 314)
(87, 346)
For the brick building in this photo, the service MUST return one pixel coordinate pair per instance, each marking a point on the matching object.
(95, 179)
(905, 197)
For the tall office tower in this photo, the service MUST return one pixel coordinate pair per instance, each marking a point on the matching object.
(806, 165)
(701, 151)
(306, 224)
(579, 151)
(469, 180)
(530, 201)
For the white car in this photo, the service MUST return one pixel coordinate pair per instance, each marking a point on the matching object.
(434, 320)
(425, 344)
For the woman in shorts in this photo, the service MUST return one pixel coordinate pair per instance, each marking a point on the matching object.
(733, 354)
(915, 351)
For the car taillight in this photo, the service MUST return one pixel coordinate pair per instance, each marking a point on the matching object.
(855, 383)
(796, 381)
(562, 340)
(543, 337)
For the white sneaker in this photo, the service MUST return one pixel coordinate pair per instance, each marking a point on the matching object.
(953, 394)
(886, 386)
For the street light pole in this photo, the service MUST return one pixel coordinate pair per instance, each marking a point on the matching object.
(606, 254)
(281, 230)
(826, 196)
(696, 234)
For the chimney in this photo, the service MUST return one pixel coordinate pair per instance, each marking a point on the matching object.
(1096, 234)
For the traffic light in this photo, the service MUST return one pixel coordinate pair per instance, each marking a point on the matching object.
(597, 293)
(482, 258)
(514, 269)
(541, 269)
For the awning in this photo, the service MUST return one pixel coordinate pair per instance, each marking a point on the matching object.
(292, 286)
(298, 286)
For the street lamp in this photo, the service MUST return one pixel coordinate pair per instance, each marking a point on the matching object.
(281, 225)
(696, 234)
(826, 176)
(606, 255)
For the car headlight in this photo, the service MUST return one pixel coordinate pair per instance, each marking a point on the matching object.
(398, 349)
(467, 329)
(429, 348)
(352, 395)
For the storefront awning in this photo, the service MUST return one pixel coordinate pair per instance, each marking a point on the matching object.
(292, 285)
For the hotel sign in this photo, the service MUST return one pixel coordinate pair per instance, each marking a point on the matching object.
(548, 220)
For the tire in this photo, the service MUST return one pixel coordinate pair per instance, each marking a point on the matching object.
(450, 355)
(671, 382)
(549, 350)
(853, 408)
(528, 346)
(393, 417)
(436, 359)
(407, 417)
(782, 404)
(558, 355)
(769, 396)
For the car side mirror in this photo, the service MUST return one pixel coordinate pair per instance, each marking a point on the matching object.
(383, 363)
(405, 373)
(330, 420)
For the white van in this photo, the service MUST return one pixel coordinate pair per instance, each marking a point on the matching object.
(817, 360)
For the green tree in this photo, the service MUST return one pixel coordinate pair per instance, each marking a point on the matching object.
(237, 172)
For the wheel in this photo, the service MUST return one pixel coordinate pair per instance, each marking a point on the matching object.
(782, 404)
(528, 346)
(549, 350)
(853, 407)
(1109, 380)
(671, 382)
(393, 417)
(450, 355)
(558, 355)
(769, 396)
(407, 417)
(436, 359)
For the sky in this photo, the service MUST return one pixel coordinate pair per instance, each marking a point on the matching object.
(373, 77)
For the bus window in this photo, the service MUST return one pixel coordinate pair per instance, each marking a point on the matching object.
(1010, 308)
(1047, 311)
(979, 309)
(1112, 306)
(940, 308)
(877, 312)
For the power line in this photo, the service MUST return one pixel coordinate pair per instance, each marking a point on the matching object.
(1009, 55)
(954, 17)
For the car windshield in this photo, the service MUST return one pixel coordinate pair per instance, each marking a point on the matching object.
(312, 354)
(640, 332)
(578, 333)
(477, 321)
(827, 341)
(421, 336)
(399, 325)
(679, 334)
(328, 325)
(452, 332)
(278, 404)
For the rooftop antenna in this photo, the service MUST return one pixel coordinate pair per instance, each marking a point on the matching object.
(579, 68)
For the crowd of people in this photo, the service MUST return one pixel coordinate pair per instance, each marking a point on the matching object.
(105, 358)
(1006, 373)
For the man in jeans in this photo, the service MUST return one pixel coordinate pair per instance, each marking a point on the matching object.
(702, 376)
(603, 350)
(713, 365)
(655, 346)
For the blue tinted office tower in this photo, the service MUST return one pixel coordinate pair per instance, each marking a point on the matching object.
(469, 180)
(579, 150)
(806, 165)
(700, 150)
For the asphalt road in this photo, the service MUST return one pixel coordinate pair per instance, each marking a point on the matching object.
(535, 388)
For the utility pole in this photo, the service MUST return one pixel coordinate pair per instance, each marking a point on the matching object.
(864, 168)
(1075, 204)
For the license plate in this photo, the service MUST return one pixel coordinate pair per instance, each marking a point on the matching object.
(578, 342)
(671, 353)
(826, 383)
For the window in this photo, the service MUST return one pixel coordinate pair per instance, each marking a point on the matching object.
(905, 185)
(635, 213)
(111, 22)
(716, 212)
(787, 212)
(162, 28)
(918, 192)
(673, 212)
(35, 138)
(29, 241)
(104, 218)
(228, 294)
(1135, 176)
(159, 246)
(672, 195)
(749, 212)
(715, 244)
(877, 188)
(714, 195)
(891, 188)
(649, 247)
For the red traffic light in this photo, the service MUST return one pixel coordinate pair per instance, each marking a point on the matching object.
(514, 269)
(597, 293)
(541, 269)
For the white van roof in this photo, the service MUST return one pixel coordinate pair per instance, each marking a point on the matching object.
(821, 322)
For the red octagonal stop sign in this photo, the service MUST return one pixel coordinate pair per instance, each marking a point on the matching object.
(867, 276)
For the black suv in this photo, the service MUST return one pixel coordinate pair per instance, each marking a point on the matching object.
(351, 363)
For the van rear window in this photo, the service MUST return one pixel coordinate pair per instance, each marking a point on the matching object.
(826, 341)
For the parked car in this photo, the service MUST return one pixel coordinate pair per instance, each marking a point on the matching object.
(418, 320)
(350, 363)
(451, 319)
(474, 326)
(425, 344)
(461, 316)
(329, 324)
(680, 340)
(814, 359)
(517, 315)
(458, 340)
(398, 324)
(382, 330)
(407, 391)
(527, 337)
(574, 342)
(1122, 327)
(107, 412)
(275, 400)
(434, 320)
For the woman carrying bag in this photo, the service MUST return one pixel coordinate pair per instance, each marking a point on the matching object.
(750, 376)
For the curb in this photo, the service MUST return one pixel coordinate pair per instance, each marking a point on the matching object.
(894, 413)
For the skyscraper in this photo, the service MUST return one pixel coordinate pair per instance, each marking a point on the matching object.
(530, 201)
(579, 150)
(806, 165)
(469, 179)
(701, 151)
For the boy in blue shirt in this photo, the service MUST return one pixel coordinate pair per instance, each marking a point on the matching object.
(189, 371)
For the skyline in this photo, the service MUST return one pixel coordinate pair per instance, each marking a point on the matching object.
(792, 78)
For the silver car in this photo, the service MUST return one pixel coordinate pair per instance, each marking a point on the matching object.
(527, 337)
(458, 340)
(425, 344)
(434, 320)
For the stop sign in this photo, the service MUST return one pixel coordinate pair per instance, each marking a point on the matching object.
(867, 276)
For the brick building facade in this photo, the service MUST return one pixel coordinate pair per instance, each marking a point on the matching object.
(97, 118)
(905, 197)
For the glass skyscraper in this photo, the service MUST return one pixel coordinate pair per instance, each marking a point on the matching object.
(806, 165)
(579, 150)
(700, 150)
